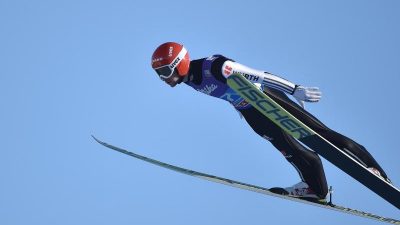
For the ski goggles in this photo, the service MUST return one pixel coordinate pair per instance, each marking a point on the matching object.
(165, 72)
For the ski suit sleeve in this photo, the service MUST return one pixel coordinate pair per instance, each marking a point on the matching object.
(261, 79)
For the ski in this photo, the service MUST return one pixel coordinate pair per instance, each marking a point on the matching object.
(249, 187)
(312, 139)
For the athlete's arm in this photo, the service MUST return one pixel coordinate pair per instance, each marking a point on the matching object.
(265, 79)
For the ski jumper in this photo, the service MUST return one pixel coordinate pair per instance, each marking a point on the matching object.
(208, 75)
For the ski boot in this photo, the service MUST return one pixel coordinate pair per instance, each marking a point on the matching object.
(376, 172)
(300, 190)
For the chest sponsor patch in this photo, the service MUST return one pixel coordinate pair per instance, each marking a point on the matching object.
(208, 89)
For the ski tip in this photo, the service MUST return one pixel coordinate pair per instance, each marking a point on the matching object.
(94, 137)
(97, 140)
(101, 142)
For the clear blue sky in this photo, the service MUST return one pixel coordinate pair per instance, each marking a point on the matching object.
(69, 69)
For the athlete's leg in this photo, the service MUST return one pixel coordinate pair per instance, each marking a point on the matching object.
(357, 151)
(307, 163)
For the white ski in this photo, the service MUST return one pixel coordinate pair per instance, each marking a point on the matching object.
(249, 187)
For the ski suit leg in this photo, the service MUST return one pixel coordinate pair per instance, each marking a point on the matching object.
(306, 162)
(355, 150)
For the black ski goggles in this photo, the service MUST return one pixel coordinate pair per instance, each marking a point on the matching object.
(167, 71)
(164, 72)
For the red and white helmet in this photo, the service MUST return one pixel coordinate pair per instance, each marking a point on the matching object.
(168, 57)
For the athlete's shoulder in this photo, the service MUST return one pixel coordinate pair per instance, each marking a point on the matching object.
(212, 58)
(213, 63)
(218, 58)
(216, 62)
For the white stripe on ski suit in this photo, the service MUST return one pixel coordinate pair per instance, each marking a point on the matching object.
(258, 77)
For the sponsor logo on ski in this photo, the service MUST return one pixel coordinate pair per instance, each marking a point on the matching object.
(269, 108)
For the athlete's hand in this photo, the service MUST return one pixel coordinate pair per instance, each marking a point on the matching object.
(306, 94)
